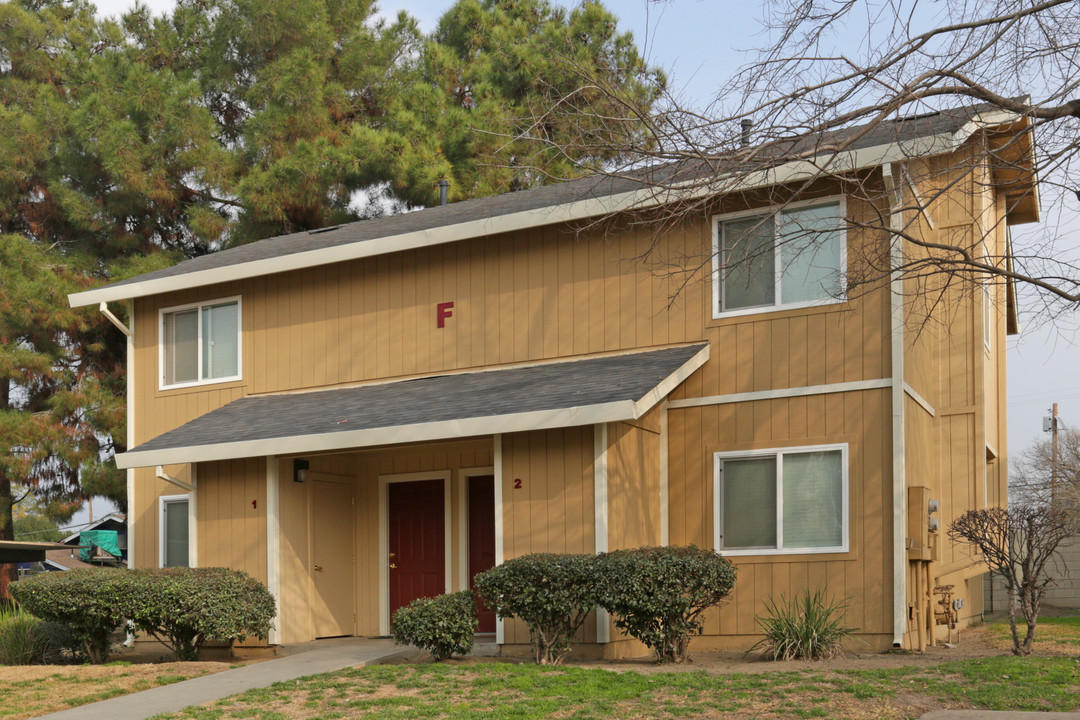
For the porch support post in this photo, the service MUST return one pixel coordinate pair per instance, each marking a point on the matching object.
(500, 630)
(193, 516)
(665, 530)
(273, 545)
(600, 508)
(129, 399)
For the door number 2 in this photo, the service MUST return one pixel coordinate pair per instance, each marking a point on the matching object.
(517, 483)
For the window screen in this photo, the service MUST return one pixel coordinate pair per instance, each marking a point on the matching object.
(813, 500)
(175, 534)
(221, 334)
(181, 356)
(749, 503)
(749, 263)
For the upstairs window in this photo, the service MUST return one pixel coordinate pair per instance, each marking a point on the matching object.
(200, 343)
(794, 257)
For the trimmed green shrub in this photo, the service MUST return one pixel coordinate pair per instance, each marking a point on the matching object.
(808, 627)
(443, 625)
(24, 639)
(91, 603)
(551, 594)
(185, 607)
(658, 594)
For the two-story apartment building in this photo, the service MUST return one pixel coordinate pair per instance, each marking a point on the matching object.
(369, 413)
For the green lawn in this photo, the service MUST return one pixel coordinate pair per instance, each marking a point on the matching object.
(524, 692)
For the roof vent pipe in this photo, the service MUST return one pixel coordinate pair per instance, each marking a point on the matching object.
(444, 187)
(747, 125)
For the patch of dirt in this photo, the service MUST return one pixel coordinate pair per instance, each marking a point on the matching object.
(41, 689)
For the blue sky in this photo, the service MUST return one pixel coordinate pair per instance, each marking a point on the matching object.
(700, 43)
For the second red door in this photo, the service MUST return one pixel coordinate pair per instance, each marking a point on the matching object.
(482, 539)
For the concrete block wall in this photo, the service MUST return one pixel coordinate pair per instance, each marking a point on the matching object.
(1065, 593)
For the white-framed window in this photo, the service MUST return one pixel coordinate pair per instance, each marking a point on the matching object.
(772, 259)
(199, 343)
(781, 501)
(173, 535)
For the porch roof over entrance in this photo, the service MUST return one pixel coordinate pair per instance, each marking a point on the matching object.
(561, 393)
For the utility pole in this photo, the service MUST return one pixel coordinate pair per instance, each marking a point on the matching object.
(1050, 425)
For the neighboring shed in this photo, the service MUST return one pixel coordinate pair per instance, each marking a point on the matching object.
(103, 542)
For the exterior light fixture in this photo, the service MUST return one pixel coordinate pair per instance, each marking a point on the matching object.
(300, 470)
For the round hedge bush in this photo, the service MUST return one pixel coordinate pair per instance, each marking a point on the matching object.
(551, 594)
(658, 594)
(185, 607)
(443, 625)
(92, 603)
(181, 607)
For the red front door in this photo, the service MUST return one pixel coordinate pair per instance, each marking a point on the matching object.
(482, 539)
(416, 540)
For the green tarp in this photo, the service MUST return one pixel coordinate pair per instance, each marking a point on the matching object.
(107, 540)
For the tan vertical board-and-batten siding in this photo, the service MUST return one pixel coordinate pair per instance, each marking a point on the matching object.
(862, 576)
(535, 295)
(551, 509)
(948, 365)
(297, 589)
(548, 293)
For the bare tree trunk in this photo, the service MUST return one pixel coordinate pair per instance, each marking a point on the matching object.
(1031, 613)
(7, 521)
(1016, 649)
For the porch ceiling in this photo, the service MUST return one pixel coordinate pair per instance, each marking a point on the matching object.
(563, 393)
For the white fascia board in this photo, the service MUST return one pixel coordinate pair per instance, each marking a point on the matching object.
(672, 381)
(392, 435)
(579, 210)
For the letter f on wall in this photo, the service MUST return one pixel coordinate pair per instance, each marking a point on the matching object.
(443, 310)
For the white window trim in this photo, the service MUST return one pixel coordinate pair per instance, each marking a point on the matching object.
(717, 270)
(718, 518)
(164, 500)
(199, 305)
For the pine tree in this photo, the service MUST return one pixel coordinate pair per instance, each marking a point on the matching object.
(127, 145)
(59, 401)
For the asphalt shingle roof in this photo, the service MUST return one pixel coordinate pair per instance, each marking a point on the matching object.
(491, 393)
(548, 196)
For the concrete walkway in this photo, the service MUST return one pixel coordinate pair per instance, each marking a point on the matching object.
(997, 715)
(298, 660)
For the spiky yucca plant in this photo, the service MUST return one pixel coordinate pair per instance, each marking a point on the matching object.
(807, 627)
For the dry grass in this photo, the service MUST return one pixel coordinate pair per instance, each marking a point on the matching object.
(1053, 636)
(32, 690)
